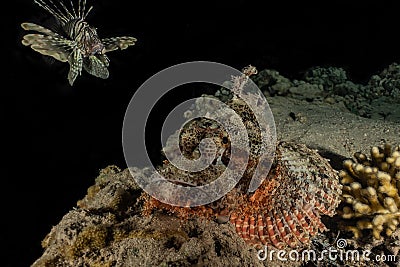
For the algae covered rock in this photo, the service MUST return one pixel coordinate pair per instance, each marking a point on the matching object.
(107, 229)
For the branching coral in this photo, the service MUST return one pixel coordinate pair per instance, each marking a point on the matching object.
(371, 191)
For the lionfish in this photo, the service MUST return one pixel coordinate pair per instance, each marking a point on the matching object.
(76, 42)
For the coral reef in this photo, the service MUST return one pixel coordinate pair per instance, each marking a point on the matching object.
(162, 240)
(327, 77)
(371, 192)
(379, 98)
(386, 83)
(272, 83)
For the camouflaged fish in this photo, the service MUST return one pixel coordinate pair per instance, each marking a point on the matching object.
(77, 42)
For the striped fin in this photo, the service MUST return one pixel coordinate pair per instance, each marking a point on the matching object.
(28, 26)
(96, 66)
(113, 43)
(48, 43)
(75, 65)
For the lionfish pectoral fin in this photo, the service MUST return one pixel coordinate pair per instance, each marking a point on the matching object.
(75, 65)
(95, 65)
(28, 26)
(47, 43)
(122, 42)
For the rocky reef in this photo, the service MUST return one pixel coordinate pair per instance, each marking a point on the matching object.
(379, 98)
(107, 229)
(116, 224)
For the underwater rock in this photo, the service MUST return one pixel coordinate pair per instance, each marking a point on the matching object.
(101, 232)
(306, 91)
(272, 83)
(327, 77)
(386, 83)
(379, 99)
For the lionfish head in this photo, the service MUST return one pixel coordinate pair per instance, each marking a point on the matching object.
(90, 42)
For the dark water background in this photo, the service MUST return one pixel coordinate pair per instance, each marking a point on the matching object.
(58, 137)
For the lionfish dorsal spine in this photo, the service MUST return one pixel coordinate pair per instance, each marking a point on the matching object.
(63, 14)
(54, 10)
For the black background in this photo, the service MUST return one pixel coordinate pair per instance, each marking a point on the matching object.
(56, 138)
